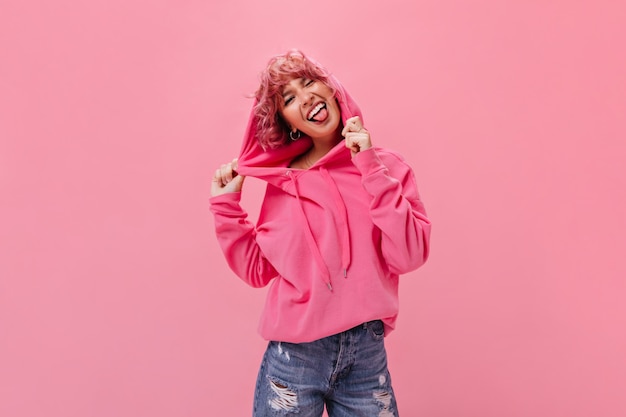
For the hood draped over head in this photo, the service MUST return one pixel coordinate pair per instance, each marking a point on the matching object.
(255, 155)
(271, 163)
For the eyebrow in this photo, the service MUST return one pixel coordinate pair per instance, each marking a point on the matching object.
(287, 90)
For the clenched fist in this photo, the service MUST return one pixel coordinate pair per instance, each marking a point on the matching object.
(226, 179)
(357, 138)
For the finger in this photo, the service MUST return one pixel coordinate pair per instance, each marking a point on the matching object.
(350, 142)
(235, 164)
(238, 182)
(357, 124)
(347, 127)
(354, 137)
(227, 173)
(217, 177)
(222, 174)
(353, 124)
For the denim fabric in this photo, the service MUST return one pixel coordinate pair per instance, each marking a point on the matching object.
(346, 372)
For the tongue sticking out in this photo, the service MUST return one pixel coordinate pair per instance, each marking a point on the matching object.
(321, 115)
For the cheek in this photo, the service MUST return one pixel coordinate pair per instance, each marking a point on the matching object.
(337, 109)
(287, 116)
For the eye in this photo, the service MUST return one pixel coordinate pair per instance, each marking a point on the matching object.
(308, 82)
(288, 100)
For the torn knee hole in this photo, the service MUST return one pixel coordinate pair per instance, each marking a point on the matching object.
(384, 399)
(383, 396)
(285, 398)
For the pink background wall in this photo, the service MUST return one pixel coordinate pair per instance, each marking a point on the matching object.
(114, 297)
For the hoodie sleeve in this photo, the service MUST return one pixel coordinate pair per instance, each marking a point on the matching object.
(236, 236)
(396, 209)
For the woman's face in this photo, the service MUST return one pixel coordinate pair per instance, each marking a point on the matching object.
(310, 107)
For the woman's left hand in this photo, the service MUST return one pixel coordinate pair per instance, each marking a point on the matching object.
(357, 138)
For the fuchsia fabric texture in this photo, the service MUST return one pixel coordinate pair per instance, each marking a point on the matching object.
(332, 239)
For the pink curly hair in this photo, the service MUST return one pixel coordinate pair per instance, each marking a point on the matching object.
(272, 131)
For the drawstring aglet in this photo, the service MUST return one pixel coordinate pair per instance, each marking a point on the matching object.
(345, 272)
(330, 287)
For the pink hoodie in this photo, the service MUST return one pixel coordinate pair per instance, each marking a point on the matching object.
(332, 239)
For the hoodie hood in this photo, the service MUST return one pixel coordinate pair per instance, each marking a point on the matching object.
(272, 165)
(267, 163)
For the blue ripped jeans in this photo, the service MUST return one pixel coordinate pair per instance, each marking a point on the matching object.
(346, 372)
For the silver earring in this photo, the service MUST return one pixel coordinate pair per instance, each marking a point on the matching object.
(293, 136)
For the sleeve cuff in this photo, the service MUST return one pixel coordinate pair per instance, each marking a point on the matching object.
(225, 202)
(368, 162)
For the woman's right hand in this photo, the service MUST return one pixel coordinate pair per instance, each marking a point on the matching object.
(226, 179)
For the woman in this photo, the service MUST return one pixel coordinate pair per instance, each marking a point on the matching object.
(341, 219)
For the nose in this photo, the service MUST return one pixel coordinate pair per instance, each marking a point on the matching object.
(307, 98)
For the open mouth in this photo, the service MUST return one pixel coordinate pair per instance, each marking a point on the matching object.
(318, 113)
